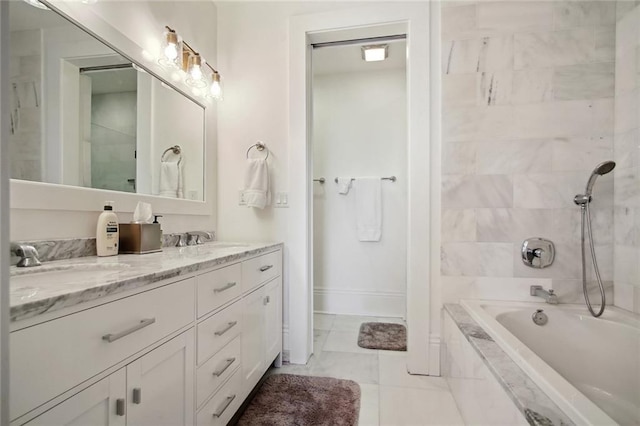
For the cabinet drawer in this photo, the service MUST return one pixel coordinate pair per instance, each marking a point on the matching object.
(217, 331)
(218, 287)
(215, 371)
(219, 410)
(261, 269)
(52, 357)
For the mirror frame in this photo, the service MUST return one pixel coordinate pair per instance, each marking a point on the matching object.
(51, 196)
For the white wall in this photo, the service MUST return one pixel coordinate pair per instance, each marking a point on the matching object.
(360, 123)
(142, 24)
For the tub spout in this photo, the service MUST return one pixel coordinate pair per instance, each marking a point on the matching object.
(549, 296)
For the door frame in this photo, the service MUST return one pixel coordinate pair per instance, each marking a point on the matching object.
(423, 221)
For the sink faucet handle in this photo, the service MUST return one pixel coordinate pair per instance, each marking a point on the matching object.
(27, 253)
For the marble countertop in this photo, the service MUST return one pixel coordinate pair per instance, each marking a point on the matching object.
(61, 284)
(537, 408)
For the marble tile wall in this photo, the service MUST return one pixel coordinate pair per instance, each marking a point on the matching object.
(528, 112)
(627, 155)
(25, 100)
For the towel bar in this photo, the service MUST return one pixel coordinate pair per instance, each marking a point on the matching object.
(321, 180)
(391, 178)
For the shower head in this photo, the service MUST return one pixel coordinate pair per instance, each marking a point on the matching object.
(601, 169)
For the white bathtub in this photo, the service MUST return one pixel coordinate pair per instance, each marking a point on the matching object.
(589, 366)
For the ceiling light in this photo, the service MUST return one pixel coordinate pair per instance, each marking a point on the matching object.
(36, 3)
(375, 52)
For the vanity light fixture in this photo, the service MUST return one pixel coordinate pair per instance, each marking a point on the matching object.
(194, 69)
(375, 52)
(36, 3)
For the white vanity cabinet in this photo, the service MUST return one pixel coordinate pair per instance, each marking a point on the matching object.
(179, 353)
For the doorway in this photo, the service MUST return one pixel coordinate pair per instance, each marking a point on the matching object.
(359, 130)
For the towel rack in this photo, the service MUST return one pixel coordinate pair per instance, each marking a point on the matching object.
(260, 146)
(321, 180)
(391, 178)
(176, 149)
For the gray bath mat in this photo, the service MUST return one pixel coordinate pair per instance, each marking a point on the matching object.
(287, 399)
(383, 335)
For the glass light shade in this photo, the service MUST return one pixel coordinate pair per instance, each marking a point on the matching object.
(171, 49)
(195, 74)
(215, 89)
(373, 53)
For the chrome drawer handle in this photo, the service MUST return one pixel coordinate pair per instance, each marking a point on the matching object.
(229, 327)
(226, 287)
(265, 268)
(224, 406)
(230, 361)
(113, 337)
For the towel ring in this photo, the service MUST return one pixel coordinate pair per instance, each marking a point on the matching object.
(260, 146)
(176, 149)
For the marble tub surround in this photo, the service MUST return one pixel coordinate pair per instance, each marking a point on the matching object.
(36, 293)
(465, 373)
(528, 111)
(70, 248)
(627, 157)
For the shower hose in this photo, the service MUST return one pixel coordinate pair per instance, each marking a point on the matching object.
(586, 217)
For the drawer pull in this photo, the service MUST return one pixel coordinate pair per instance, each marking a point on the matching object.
(226, 287)
(113, 337)
(230, 361)
(120, 406)
(137, 396)
(224, 406)
(265, 268)
(227, 328)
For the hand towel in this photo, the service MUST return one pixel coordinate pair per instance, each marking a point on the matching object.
(256, 183)
(344, 185)
(368, 208)
(171, 180)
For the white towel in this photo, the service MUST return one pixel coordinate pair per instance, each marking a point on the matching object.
(344, 185)
(369, 208)
(256, 183)
(171, 179)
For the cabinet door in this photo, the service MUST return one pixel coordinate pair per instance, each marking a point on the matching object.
(101, 404)
(273, 319)
(160, 385)
(253, 340)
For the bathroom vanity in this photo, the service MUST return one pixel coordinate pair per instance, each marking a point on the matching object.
(177, 338)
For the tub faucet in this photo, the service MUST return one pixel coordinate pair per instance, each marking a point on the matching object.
(28, 255)
(549, 296)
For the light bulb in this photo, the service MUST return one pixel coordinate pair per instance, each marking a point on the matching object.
(196, 72)
(215, 90)
(171, 51)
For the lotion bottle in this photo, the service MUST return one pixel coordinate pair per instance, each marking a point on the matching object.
(107, 231)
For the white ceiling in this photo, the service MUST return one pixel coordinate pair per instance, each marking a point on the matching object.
(348, 58)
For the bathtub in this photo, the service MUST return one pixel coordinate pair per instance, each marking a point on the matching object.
(590, 367)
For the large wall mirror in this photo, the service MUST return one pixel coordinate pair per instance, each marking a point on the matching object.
(84, 115)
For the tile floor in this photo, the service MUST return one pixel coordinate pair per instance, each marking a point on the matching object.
(390, 396)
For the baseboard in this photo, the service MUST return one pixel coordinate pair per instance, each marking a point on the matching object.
(434, 355)
(354, 302)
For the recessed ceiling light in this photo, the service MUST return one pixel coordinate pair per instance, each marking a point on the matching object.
(375, 52)
(36, 3)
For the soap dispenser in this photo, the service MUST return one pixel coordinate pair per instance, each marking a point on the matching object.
(107, 231)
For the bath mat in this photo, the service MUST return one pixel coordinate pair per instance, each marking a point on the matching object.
(287, 399)
(383, 335)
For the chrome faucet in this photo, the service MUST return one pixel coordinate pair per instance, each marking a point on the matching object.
(195, 237)
(548, 295)
(27, 253)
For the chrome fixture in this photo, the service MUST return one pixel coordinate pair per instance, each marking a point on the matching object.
(320, 180)
(28, 255)
(549, 296)
(391, 178)
(181, 240)
(583, 200)
(538, 252)
(260, 146)
(195, 237)
(539, 317)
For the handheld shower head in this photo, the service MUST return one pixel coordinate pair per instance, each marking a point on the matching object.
(601, 169)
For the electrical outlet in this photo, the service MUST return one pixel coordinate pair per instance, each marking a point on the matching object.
(241, 200)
